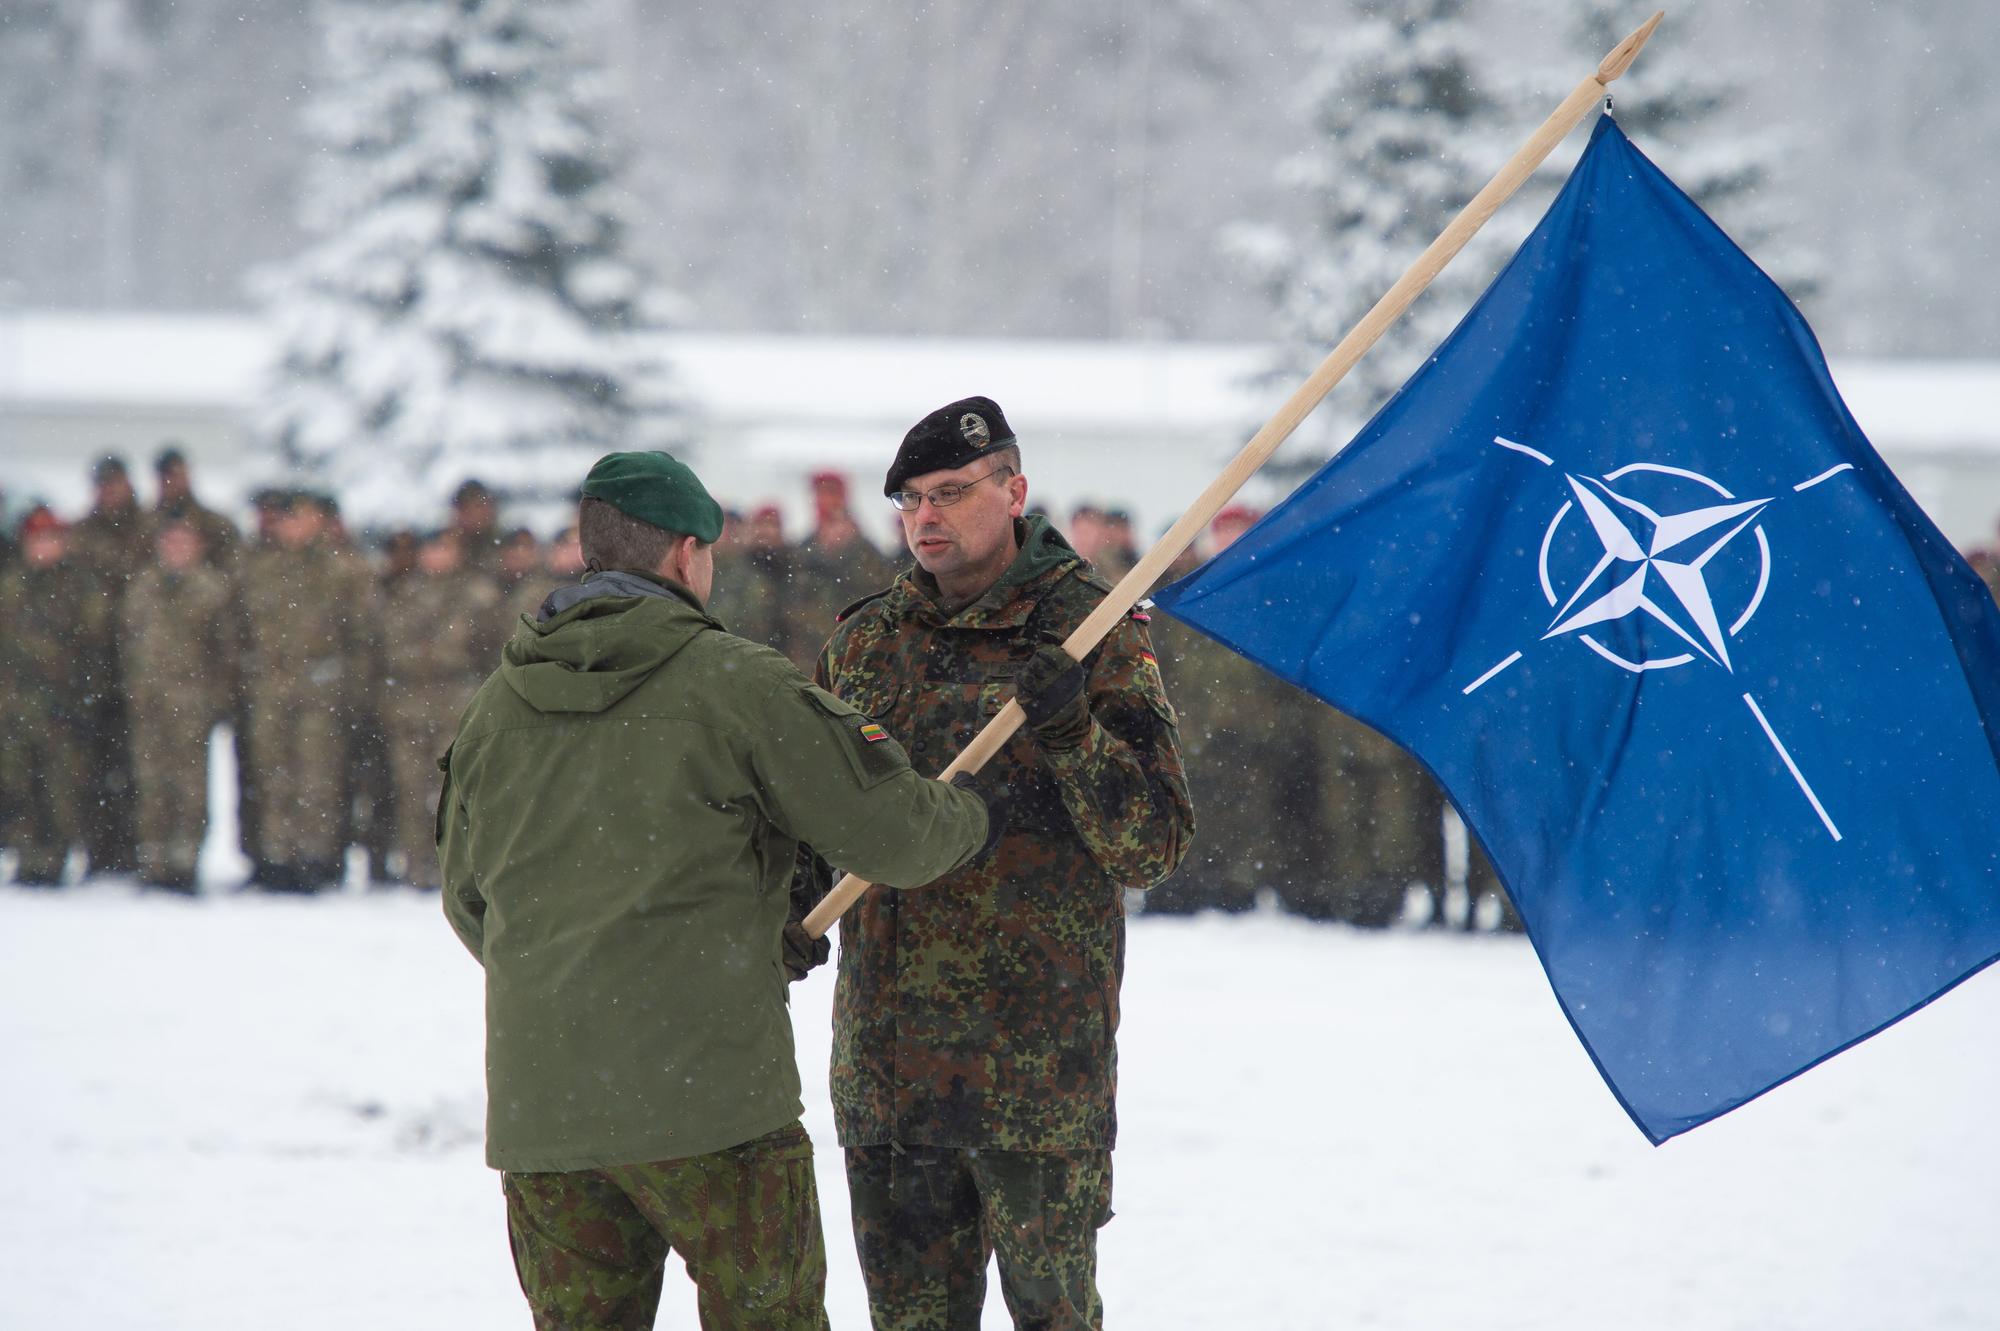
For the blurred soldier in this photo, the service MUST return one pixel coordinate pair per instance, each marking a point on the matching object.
(974, 1058)
(268, 507)
(831, 567)
(311, 618)
(1086, 532)
(112, 544)
(522, 583)
(1119, 550)
(399, 556)
(565, 561)
(1384, 828)
(1252, 766)
(475, 517)
(47, 604)
(181, 641)
(751, 581)
(434, 629)
(176, 502)
(372, 767)
(622, 807)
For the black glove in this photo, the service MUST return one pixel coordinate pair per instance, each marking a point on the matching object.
(995, 801)
(1050, 691)
(802, 951)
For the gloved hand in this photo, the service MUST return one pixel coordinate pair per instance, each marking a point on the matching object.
(802, 951)
(1050, 690)
(995, 799)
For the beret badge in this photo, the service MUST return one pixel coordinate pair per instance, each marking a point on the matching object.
(972, 426)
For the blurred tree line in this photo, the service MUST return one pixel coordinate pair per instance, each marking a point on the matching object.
(951, 168)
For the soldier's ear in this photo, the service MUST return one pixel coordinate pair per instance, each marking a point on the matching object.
(1017, 492)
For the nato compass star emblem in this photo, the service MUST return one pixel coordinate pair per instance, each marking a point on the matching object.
(1655, 559)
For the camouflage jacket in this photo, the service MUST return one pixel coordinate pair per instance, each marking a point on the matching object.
(47, 615)
(982, 1010)
(312, 623)
(180, 638)
(438, 628)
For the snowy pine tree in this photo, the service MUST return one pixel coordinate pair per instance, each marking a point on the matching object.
(1407, 135)
(1677, 105)
(464, 308)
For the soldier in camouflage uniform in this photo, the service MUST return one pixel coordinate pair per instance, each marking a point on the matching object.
(181, 643)
(220, 542)
(522, 584)
(1384, 816)
(47, 603)
(475, 516)
(311, 656)
(1252, 767)
(623, 804)
(974, 1061)
(828, 569)
(112, 544)
(436, 625)
(753, 579)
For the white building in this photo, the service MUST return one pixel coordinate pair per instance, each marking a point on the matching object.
(1145, 425)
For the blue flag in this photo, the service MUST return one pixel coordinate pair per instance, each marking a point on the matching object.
(1719, 701)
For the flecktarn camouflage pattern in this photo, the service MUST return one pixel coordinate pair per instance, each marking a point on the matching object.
(981, 1010)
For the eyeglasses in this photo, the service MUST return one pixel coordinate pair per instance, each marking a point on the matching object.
(945, 495)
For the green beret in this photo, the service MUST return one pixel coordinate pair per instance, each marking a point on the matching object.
(656, 488)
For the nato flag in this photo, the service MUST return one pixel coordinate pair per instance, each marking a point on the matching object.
(1722, 705)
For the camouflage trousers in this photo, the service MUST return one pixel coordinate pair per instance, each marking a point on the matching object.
(298, 745)
(44, 773)
(170, 765)
(927, 1219)
(590, 1246)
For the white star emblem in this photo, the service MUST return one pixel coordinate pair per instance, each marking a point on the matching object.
(1675, 554)
(1679, 549)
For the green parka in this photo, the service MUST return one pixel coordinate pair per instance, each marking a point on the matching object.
(621, 811)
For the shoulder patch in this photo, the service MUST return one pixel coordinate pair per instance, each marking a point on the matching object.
(871, 751)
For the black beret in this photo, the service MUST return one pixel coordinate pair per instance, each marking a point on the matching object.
(106, 467)
(949, 437)
(170, 455)
(470, 489)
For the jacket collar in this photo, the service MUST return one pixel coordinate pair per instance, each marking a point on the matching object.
(613, 582)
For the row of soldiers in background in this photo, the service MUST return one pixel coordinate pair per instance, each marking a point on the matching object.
(132, 633)
(125, 637)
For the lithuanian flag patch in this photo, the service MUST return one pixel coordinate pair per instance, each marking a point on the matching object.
(873, 733)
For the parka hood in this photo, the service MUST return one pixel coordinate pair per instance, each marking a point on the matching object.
(600, 640)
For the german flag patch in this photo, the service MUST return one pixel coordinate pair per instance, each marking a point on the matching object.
(873, 733)
(1146, 653)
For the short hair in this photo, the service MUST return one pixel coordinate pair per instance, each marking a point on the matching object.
(612, 538)
(1008, 456)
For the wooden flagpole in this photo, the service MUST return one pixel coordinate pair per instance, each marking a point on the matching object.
(1132, 588)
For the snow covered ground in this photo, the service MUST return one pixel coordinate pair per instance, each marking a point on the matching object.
(239, 1112)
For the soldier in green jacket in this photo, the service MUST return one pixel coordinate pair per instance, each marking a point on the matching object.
(622, 808)
(974, 1059)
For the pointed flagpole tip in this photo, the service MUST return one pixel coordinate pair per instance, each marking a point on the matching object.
(1625, 52)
